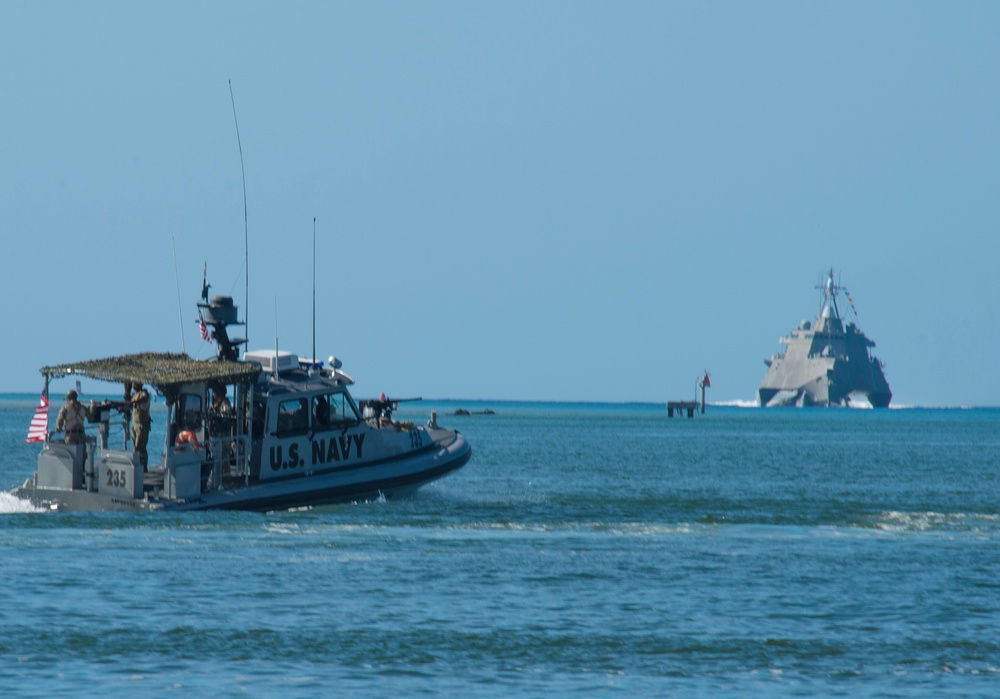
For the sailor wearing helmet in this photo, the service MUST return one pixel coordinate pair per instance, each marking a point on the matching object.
(140, 420)
(71, 418)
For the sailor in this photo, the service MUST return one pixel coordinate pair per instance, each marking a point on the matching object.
(321, 413)
(140, 421)
(221, 423)
(384, 410)
(221, 407)
(221, 427)
(72, 417)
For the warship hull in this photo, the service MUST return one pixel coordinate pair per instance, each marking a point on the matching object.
(826, 363)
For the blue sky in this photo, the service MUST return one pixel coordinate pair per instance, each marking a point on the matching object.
(513, 200)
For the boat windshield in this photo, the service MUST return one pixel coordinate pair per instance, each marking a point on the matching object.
(332, 411)
(317, 413)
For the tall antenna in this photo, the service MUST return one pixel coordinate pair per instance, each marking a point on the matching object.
(246, 245)
(314, 292)
(180, 314)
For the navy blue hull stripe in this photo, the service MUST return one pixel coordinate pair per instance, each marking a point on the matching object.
(344, 493)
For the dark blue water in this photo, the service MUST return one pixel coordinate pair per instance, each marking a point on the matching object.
(584, 549)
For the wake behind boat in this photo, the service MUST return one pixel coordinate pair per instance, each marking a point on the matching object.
(292, 435)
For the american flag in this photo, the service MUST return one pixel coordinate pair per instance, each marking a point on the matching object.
(39, 422)
(203, 328)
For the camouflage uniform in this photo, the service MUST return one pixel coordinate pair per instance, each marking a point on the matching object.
(72, 417)
(221, 422)
(140, 422)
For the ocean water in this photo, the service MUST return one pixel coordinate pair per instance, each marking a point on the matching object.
(585, 549)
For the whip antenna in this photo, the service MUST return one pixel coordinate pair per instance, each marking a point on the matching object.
(246, 254)
(314, 292)
(180, 312)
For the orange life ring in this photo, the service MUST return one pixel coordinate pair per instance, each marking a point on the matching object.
(186, 437)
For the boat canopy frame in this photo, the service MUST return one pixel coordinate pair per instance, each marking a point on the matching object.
(173, 375)
(165, 371)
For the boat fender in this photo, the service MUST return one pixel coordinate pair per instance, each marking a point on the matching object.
(186, 437)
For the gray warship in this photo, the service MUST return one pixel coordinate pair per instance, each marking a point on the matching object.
(826, 363)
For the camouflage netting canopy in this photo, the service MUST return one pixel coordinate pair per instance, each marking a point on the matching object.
(158, 369)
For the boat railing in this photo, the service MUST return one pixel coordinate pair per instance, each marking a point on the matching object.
(97, 433)
(229, 458)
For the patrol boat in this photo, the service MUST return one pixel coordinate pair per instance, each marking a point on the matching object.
(827, 363)
(291, 437)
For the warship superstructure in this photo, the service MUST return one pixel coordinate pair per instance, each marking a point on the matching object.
(825, 363)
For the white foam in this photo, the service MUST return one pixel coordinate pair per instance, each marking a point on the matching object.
(10, 504)
(738, 403)
(924, 521)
